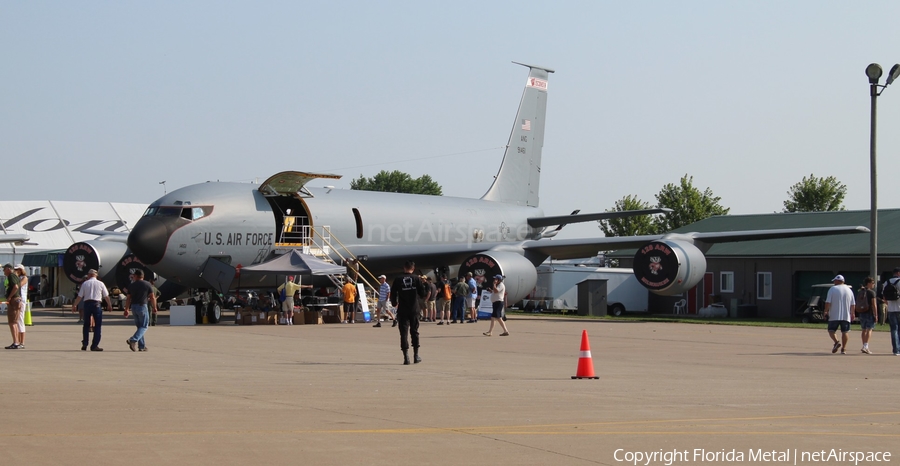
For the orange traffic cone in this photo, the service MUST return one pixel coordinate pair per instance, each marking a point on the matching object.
(585, 363)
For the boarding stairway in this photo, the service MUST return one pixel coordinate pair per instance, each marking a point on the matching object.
(319, 242)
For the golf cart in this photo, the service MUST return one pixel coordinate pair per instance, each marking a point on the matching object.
(814, 308)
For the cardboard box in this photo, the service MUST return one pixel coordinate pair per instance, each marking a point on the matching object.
(248, 319)
(312, 318)
(299, 318)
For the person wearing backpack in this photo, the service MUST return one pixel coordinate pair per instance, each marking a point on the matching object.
(444, 296)
(891, 295)
(841, 305)
(866, 311)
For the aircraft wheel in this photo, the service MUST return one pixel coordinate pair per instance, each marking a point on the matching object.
(805, 319)
(214, 312)
(617, 310)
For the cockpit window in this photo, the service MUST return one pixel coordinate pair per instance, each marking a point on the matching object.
(187, 213)
(168, 212)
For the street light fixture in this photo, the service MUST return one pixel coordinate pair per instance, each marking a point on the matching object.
(874, 72)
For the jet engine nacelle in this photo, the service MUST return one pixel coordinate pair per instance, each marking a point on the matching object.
(520, 273)
(669, 267)
(99, 255)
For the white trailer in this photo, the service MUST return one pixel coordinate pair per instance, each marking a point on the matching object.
(557, 287)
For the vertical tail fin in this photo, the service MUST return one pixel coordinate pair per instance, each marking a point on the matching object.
(518, 181)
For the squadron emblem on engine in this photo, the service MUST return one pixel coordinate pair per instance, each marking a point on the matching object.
(655, 265)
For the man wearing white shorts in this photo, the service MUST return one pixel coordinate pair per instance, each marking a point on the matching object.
(840, 308)
(23, 292)
(382, 308)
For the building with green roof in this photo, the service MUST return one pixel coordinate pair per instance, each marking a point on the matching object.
(773, 278)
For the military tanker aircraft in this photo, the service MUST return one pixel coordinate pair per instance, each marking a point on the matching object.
(191, 233)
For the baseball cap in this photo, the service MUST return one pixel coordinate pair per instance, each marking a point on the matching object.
(498, 277)
(7, 266)
(838, 278)
(19, 267)
(382, 276)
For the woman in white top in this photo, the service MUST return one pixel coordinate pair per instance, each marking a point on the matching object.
(23, 292)
(498, 300)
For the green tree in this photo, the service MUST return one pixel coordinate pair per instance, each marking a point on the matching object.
(688, 205)
(816, 195)
(397, 182)
(629, 226)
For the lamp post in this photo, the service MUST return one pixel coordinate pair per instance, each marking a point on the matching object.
(874, 72)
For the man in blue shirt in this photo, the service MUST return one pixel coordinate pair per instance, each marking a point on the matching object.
(471, 300)
(384, 294)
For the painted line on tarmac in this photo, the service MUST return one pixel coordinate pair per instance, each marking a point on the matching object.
(548, 429)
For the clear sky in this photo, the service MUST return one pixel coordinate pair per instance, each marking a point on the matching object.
(104, 100)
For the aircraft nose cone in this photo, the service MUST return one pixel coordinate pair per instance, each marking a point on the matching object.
(148, 240)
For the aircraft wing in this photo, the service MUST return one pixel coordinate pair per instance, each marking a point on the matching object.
(18, 239)
(733, 236)
(586, 247)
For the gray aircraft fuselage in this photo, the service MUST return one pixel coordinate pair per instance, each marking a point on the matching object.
(239, 223)
(242, 227)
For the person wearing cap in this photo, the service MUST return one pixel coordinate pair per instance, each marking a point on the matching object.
(13, 304)
(19, 270)
(893, 312)
(498, 301)
(840, 307)
(91, 292)
(405, 293)
(382, 308)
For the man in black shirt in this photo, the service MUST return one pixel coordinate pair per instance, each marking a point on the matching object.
(140, 293)
(405, 294)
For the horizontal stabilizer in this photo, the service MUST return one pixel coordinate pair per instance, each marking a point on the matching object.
(537, 222)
